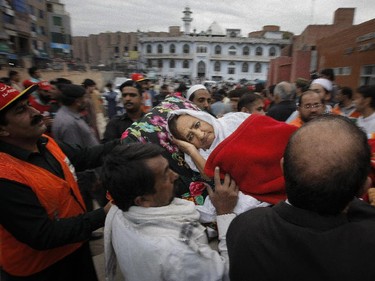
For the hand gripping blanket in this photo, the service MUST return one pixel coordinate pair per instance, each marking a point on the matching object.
(251, 155)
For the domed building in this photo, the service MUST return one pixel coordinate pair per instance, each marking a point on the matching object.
(213, 54)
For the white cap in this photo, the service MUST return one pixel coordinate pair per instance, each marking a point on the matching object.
(193, 89)
(325, 83)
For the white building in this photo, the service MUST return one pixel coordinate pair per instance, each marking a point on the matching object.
(212, 55)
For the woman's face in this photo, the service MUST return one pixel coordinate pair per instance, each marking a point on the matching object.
(195, 131)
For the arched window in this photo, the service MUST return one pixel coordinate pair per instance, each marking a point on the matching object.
(160, 49)
(160, 63)
(232, 51)
(172, 49)
(245, 67)
(217, 50)
(232, 68)
(257, 68)
(186, 49)
(217, 66)
(185, 64)
(149, 49)
(172, 64)
(245, 51)
(272, 52)
(258, 51)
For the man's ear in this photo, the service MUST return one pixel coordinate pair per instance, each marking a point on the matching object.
(142, 201)
(365, 187)
(282, 164)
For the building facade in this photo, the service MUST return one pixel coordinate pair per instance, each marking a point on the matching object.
(212, 54)
(27, 30)
(348, 49)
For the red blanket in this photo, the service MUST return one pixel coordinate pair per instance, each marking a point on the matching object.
(252, 154)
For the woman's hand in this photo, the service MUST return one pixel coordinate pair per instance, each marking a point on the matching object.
(185, 146)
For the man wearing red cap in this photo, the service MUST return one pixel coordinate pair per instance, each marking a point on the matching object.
(146, 95)
(42, 100)
(44, 224)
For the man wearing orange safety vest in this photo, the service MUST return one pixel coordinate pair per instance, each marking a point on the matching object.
(143, 82)
(44, 226)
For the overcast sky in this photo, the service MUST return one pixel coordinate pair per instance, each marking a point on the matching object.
(96, 16)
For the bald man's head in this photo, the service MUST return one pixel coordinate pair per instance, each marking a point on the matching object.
(326, 164)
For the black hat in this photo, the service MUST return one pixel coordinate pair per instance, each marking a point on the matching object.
(73, 91)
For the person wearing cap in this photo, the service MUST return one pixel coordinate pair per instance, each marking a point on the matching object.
(323, 87)
(147, 97)
(199, 95)
(44, 223)
(44, 101)
(69, 127)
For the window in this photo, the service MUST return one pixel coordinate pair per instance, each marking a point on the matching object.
(217, 50)
(126, 48)
(186, 49)
(201, 49)
(217, 66)
(41, 14)
(149, 63)
(57, 21)
(148, 49)
(257, 68)
(232, 51)
(272, 52)
(172, 64)
(232, 68)
(33, 27)
(160, 49)
(160, 63)
(116, 50)
(245, 67)
(368, 74)
(172, 49)
(245, 51)
(135, 48)
(258, 51)
(42, 30)
(185, 64)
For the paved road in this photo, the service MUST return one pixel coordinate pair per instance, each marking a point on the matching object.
(97, 249)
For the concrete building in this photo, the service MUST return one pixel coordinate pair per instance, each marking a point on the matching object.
(28, 28)
(213, 54)
(347, 48)
(60, 34)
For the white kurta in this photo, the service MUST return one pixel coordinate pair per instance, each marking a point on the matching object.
(163, 243)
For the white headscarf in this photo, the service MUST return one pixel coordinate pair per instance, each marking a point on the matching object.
(223, 127)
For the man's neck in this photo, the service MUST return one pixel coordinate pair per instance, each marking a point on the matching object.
(26, 144)
(135, 115)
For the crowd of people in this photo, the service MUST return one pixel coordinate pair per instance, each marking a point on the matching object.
(285, 175)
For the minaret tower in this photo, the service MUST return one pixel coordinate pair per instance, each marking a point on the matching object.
(187, 19)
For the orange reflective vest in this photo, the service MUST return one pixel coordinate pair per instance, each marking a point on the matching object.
(55, 195)
(147, 102)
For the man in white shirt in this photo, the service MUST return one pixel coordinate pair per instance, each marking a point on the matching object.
(151, 234)
(364, 101)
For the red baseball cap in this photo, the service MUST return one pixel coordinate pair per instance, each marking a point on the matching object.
(9, 95)
(28, 83)
(44, 85)
(138, 77)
